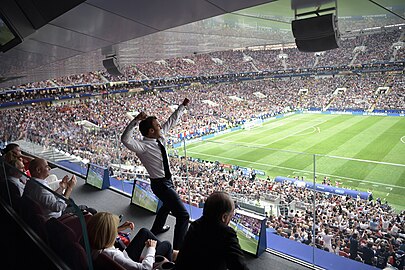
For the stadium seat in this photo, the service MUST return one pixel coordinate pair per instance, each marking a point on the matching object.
(63, 241)
(29, 207)
(73, 222)
(32, 214)
(104, 262)
(10, 194)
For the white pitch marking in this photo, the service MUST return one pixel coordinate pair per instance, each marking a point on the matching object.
(282, 167)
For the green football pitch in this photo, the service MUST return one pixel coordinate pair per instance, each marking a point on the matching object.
(142, 198)
(365, 153)
(246, 243)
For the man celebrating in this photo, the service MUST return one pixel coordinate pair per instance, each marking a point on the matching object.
(151, 151)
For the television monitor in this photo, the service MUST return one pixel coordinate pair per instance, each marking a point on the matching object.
(19, 19)
(97, 176)
(251, 231)
(143, 196)
(8, 36)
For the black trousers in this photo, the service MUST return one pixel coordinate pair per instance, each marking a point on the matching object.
(164, 190)
(137, 244)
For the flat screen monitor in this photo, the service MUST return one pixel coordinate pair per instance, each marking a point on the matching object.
(143, 196)
(95, 176)
(249, 228)
(8, 37)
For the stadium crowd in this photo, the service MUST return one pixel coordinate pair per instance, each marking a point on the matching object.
(367, 231)
(216, 107)
(90, 128)
(358, 50)
(349, 227)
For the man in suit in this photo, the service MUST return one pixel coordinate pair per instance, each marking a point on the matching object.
(212, 235)
(152, 153)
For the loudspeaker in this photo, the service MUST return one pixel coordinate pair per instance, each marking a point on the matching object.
(112, 66)
(316, 33)
(317, 44)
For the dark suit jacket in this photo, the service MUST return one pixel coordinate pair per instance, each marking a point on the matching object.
(210, 246)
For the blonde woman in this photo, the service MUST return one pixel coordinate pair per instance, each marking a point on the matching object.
(102, 232)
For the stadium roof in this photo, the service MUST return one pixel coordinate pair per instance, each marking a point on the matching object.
(149, 30)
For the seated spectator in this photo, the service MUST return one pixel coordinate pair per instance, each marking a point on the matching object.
(16, 152)
(14, 174)
(11, 157)
(368, 253)
(382, 255)
(212, 233)
(52, 179)
(354, 245)
(102, 229)
(52, 205)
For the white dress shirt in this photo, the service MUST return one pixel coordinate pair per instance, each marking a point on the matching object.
(147, 149)
(16, 181)
(50, 203)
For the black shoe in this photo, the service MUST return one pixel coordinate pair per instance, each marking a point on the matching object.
(163, 230)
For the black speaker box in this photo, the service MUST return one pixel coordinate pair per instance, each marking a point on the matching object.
(317, 44)
(316, 33)
(112, 66)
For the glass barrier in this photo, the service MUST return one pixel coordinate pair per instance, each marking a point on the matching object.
(268, 182)
(318, 208)
(57, 221)
(362, 215)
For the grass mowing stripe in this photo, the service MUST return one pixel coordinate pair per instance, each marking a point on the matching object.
(397, 153)
(377, 151)
(235, 161)
(401, 180)
(301, 143)
(385, 171)
(334, 164)
(383, 143)
(272, 124)
(324, 144)
(284, 128)
(241, 149)
(235, 152)
(275, 157)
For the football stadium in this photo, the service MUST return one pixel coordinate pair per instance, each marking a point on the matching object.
(339, 147)
(295, 110)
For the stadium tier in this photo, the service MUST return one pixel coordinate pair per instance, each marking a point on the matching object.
(334, 120)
